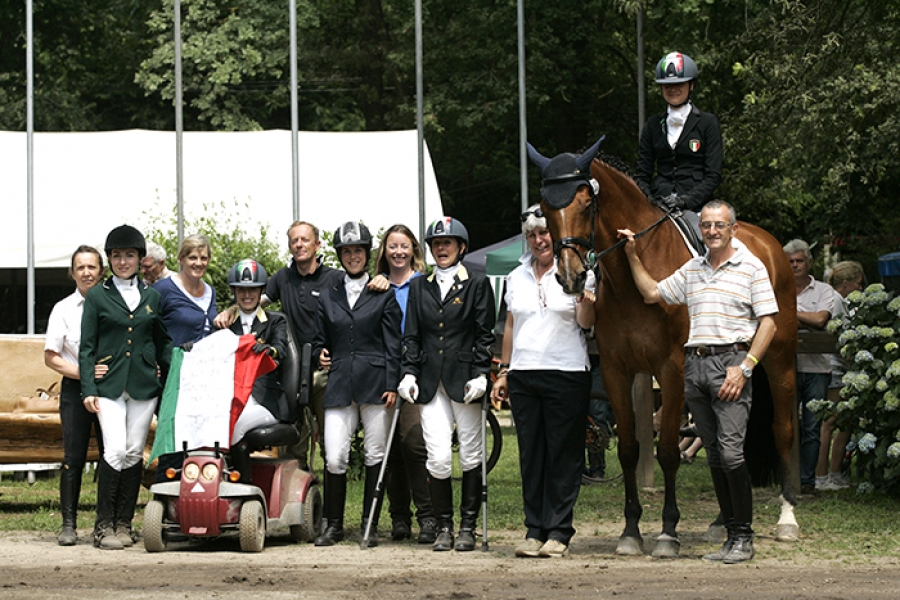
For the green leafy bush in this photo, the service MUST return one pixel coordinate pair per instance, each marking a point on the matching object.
(870, 396)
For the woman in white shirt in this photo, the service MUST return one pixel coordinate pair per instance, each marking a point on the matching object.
(545, 372)
(61, 355)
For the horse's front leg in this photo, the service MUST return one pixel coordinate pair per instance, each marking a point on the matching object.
(668, 544)
(618, 386)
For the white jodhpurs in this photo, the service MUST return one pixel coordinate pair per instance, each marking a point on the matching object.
(340, 427)
(254, 415)
(125, 423)
(438, 417)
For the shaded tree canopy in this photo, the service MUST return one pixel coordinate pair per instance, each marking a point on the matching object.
(805, 99)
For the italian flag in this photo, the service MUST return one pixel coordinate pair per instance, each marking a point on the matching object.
(206, 391)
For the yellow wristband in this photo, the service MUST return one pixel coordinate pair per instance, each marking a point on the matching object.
(753, 358)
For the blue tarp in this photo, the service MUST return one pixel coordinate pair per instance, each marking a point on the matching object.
(889, 265)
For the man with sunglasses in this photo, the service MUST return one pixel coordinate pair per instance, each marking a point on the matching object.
(731, 306)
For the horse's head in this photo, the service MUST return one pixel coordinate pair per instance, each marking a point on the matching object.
(568, 200)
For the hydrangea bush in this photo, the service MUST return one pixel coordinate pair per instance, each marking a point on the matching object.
(870, 397)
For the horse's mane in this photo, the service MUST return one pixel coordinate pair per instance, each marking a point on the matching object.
(616, 163)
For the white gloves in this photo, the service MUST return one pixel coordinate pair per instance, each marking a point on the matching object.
(475, 388)
(408, 388)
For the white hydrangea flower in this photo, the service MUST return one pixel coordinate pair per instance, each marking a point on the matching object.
(893, 451)
(867, 443)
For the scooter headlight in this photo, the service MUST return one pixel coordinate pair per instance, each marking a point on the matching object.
(191, 471)
(210, 472)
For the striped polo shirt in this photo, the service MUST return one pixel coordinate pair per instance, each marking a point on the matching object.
(724, 304)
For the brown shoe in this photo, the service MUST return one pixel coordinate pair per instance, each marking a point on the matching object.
(530, 548)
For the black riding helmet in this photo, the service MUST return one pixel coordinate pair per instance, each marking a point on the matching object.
(564, 174)
(448, 227)
(247, 273)
(126, 236)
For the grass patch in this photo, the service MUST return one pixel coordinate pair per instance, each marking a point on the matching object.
(839, 525)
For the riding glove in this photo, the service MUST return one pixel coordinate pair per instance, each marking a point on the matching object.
(408, 388)
(475, 388)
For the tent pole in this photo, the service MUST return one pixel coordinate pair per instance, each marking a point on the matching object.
(420, 127)
(29, 68)
(523, 123)
(179, 129)
(295, 119)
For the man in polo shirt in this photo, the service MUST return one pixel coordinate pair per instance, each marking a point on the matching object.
(815, 306)
(731, 306)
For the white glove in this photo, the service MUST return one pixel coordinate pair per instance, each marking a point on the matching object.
(408, 388)
(475, 388)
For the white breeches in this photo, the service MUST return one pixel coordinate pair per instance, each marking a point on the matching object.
(438, 417)
(125, 423)
(253, 415)
(340, 427)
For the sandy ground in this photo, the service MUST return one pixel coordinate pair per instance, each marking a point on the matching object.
(33, 566)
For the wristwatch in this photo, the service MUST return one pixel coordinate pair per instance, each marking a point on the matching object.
(746, 371)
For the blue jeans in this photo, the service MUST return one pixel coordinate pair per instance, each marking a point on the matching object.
(810, 386)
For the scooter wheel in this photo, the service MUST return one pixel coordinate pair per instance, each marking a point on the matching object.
(153, 526)
(253, 526)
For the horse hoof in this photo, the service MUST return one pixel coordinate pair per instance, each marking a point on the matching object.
(787, 532)
(716, 534)
(630, 547)
(667, 546)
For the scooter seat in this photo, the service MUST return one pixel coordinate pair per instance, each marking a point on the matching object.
(279, 434)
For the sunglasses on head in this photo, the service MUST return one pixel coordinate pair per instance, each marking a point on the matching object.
(538, 213)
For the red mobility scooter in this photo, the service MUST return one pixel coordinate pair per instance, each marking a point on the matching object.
(209, 501)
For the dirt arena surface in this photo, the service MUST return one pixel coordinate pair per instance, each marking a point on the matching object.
(33, 567)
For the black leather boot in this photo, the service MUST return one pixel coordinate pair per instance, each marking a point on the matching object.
(468, 509)
(335, 496)
(742, 500)
(69, 491)
(126, 499)
(370, 497)
(240, 461)
(442, 501)
(107, 497)
(723, 495)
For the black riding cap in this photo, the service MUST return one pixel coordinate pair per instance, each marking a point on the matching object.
(564, 174)
(125, 236)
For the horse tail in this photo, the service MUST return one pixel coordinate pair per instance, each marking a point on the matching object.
(760, 452)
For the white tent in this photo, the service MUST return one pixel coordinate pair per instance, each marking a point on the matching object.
(87, 183)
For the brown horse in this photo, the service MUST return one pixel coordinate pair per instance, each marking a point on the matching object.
(634, 337)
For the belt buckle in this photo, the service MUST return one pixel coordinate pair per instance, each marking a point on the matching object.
(702, 351)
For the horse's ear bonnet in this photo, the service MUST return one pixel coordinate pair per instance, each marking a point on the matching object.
(564, 174)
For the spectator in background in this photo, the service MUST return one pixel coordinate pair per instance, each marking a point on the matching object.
(845, 277)
(153, 266)
(815, 306)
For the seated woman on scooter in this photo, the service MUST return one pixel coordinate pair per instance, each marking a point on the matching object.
(358, 341)
(267, 404)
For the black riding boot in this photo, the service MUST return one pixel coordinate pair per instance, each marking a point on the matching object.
(442, 501)
(468, 509)
(107, 497)
(126, 499)
(723, 495)
(742, 500)
(240, 460)
(370, 497)
(69, 492)
(335, 496)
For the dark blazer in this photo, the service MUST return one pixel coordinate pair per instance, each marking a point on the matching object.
(132, 343)
(364, 344)
(270, 328)
(693, 168)
(449, 340)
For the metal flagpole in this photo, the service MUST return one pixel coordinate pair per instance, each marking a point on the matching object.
(420, 127)
(179, 128)
(642, 91)
(523, 124)
(295, 119)
(29, 75)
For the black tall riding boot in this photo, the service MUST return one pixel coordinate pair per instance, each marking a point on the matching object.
(129, 488)
(468, 509)
(107, 498)
(69, 492)
(370, 497)
(442, 501)
(723, 495)
(335, 497)
(240, 460)
(742, 500)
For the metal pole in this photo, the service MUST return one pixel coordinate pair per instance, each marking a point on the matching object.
(179, 129)
(420, 126)
(642, 91)
(523, 122)
(295, 119)
(29, 118)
